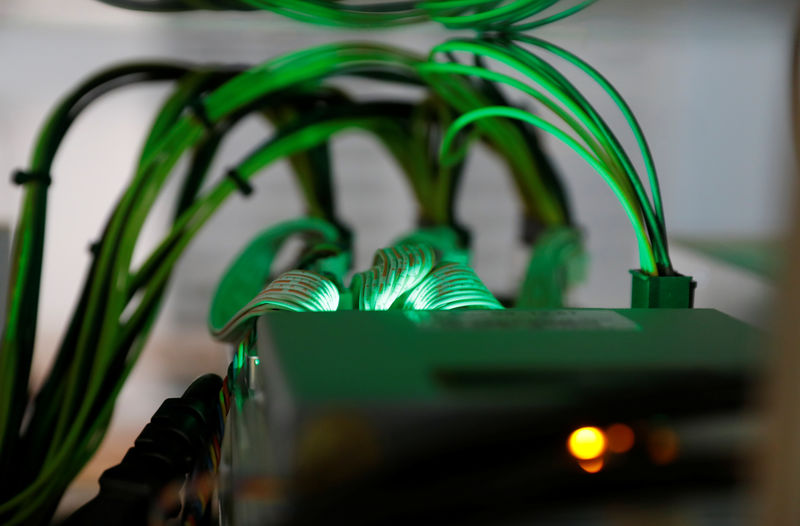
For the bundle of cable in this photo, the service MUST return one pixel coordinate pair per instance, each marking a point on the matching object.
(295, 290)
(451, 286)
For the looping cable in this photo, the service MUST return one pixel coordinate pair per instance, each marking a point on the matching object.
(451, 286)
(395, 271)
(295, 290)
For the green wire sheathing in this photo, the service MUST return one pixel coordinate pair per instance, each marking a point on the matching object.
(395, 271)
(479, 15)
(295, 290)
(591, 137)
(450, 286)
(404, 275)
(445, 241)
(251, 270)
(557, 261)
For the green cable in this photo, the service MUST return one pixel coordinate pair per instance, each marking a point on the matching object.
(318, 13)
(72, 376)
(295, 291)
(626, 112)
(144, 158)
(449, 286)
(395, 271)
(569, 99)
(519, 28)
(554, 82)
(251, 269)
(645, 250)
(479, 15)
(156, 163)
(462, 69)
(282, 148)
(445, 241)
(506, 139)
(19, 329)
(654, 222)
(372, 52)
(507, 14)
(555, 263)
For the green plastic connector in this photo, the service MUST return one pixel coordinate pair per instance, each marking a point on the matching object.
(661, 292)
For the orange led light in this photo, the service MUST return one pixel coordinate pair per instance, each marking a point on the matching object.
(586, 443)
(663, 445)
(620, 438)
(591, 466)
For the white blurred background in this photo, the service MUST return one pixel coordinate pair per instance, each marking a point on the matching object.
(708, 81)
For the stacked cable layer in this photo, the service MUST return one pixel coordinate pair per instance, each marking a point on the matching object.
(295, 290)
(395, 271)
(451, 286)
(405, 276)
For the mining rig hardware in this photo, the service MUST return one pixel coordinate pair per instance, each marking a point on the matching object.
(401, 393)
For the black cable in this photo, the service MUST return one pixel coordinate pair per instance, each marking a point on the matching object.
(28, 293)
(146, 484)
(153, 6)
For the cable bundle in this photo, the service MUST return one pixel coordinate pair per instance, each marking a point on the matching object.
(300, 290)
(448, 243)
(451, 286)
(251, 271)
(481, 15)
(295, 290)
(408, 276)
(199, 489)
(178, 451)
(395, 271)
(577, 124)
(403, 276)
(557, 263)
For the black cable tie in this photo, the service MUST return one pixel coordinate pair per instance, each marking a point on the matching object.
(21, 177)
(244, 187)
(532, 228)
(198, 110)
(94, 248)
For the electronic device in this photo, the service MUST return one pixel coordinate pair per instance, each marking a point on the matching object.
(404, 392)
(466, 416)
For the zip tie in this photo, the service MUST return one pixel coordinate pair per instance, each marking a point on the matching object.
(531, 229)
(198, 111)
(21, 177)
(244, 187)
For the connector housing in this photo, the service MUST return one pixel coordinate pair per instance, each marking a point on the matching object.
(660, 292)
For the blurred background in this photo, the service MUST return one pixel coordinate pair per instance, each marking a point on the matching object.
(708, 81)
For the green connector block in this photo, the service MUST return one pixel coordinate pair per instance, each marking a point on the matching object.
(660, 292)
